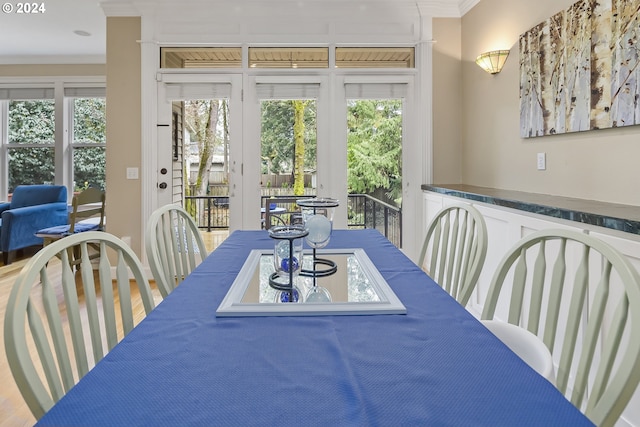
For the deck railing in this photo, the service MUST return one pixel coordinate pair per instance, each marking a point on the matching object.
(363, 211)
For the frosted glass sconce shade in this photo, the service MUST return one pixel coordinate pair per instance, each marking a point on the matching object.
(492, 62)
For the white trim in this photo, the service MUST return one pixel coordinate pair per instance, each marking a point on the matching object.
(467, 5)
(52, 59)
(4, 140)
(119, 8)
(383, 79)
(190, 76)
(44, 81)
(301, 79)
(149, 56)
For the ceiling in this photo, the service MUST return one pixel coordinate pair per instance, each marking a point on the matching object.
(73, 31)
(48, 37)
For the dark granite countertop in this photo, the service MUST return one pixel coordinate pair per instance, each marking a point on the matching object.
(610, 215)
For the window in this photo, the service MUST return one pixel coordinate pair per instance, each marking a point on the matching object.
(203, 57)
(375, 57)
(288, 57)
(31, 145)
(88, 143)
(32, 148)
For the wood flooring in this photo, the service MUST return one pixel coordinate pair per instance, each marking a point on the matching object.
(13, 411)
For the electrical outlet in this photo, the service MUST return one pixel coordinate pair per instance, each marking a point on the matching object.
(542, 161)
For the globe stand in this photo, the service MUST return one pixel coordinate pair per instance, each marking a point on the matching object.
(317, 272)
(288, 265)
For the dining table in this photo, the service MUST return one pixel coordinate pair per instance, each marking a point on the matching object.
(433, 365)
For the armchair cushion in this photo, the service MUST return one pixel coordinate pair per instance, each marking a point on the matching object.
(32, 207)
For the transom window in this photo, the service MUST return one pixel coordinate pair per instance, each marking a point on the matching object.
(200, 57)
(287, 57)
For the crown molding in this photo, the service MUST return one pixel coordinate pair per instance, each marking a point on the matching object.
(444, 8)
(119, 8)
(434, 8)
(467, 5)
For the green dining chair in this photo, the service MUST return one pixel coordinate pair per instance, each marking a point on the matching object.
(586, 310)
(454, 249)
(174, 246)
(59, 324)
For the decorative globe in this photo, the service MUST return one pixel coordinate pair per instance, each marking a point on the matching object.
(285, 296)
(318, 294)
(287, 265)
(282, 249)
(319, 227)
(287, 251)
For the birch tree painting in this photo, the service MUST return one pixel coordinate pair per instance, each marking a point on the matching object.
(579, 69)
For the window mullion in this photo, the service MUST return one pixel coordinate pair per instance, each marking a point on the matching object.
(59, 135)
(4, 158)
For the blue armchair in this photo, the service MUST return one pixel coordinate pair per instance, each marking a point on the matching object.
(32, 208)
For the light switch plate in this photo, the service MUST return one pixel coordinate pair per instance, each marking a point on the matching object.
(132, 173)
(542, 161)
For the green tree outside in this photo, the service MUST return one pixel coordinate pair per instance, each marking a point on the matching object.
(374, 147)
(89, 127)
(33, 122)
(278, 138)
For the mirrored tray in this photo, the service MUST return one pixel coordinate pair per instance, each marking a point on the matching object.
(356, 288)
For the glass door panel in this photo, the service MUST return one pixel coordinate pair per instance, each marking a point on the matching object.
(206, 162)
(287, 156)
(196, 165)
(374, 165)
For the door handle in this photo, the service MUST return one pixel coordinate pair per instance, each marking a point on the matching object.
(162, 185)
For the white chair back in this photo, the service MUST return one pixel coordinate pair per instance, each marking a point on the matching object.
(585, 308)
(174, 246)
(454, 249)
(59, 324)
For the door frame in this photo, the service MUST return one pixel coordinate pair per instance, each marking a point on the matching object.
(162, 157)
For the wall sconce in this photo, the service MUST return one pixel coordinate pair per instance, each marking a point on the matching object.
(493, 61)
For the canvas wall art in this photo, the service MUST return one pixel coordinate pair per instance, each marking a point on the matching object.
(580, 69)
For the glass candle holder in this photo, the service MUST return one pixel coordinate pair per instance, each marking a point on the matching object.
(317, 215)
(287, 261)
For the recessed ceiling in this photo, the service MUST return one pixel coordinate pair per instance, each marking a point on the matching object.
(73, 31)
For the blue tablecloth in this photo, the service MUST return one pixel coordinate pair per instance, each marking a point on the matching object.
(434, 366)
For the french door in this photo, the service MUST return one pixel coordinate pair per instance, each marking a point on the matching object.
(248, 99)
(269, 106)
(216, 99)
